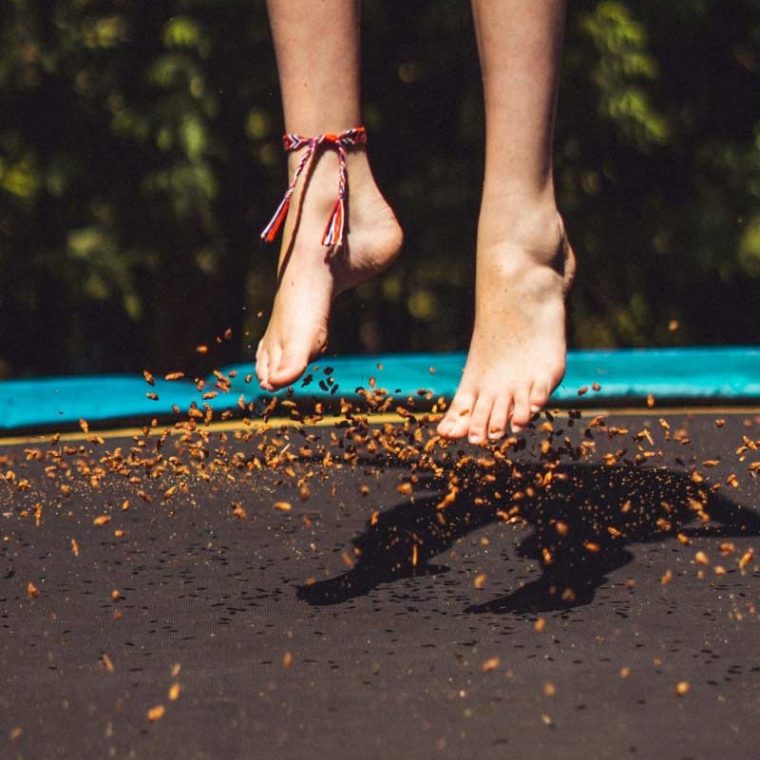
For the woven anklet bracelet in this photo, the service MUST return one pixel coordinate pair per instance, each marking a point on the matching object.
(335, 229)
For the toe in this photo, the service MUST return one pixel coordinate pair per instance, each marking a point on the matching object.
(539, 395)
(521, 409)
(262, 366)
(289, 368)
(497, 425)
(457, 420)
(479, 420)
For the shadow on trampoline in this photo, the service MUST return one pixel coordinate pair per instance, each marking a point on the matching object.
(583, 528)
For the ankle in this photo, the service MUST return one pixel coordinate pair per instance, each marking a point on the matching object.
(534, 225)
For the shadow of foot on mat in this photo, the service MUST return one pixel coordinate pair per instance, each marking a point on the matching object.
(584, 526)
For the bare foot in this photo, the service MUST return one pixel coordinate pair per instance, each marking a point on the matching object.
(518, 347)
(310, 275)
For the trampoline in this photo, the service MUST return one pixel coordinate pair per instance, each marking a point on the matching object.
(340, 583)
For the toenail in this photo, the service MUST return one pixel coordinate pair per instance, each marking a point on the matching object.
(495, 433)
(535, 408)
(474, 438)
(516, 428)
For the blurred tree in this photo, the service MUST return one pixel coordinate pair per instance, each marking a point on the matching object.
(140, 154)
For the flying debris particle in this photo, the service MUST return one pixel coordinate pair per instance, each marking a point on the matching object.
(201, 349)
(101, 520)
(550, 689)
(480, 581)
(490, 664)
(156, 713)
(746, 558)
(287, 660)
(107, 663)
(625, 671)
(283, 506)
(539, 625)
(681, 688)
(149, 377)
(74, 547)
(32, 591)
(174, 691)
(174, 376)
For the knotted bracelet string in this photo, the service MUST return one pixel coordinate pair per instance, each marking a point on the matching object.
(336, 223)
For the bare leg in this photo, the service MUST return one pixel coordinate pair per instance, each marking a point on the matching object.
(524, 264)
(317, 46)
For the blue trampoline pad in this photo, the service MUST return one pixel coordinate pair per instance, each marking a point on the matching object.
(720, 374)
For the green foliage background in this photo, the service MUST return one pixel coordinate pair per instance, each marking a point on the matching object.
(140, 155)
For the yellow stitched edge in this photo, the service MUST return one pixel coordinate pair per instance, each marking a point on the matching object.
(375, 419)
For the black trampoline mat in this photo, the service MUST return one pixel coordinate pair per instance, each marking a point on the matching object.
(376, 625)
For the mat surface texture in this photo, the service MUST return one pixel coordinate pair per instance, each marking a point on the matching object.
(326, 602)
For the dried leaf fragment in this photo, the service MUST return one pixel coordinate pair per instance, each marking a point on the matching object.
(746, 558)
